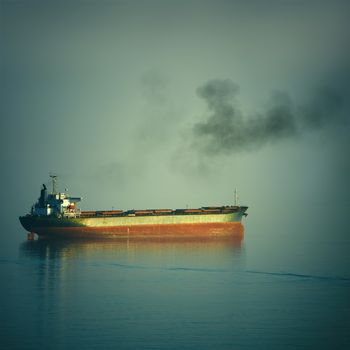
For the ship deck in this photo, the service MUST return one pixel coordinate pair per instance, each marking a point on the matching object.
(160, 212)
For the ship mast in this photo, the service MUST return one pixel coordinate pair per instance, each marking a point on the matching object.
(54, 183)
(236, 198)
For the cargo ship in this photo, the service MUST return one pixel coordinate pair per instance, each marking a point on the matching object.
(56, 215)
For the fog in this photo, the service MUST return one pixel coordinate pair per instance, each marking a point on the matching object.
(115, 97)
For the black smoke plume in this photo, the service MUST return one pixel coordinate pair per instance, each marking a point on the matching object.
(226, 130)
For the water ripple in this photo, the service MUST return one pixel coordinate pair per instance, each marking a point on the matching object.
(299, 275)
(280, 274)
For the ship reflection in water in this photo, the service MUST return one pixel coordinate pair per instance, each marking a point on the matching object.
(178, 250)
(126, 293)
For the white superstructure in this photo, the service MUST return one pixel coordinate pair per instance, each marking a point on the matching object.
(58, 204)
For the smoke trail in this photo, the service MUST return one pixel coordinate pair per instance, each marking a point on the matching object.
(226, 130)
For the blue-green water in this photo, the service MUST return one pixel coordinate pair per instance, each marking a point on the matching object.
(283, 290)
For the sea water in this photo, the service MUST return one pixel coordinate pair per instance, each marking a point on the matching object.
(282, 287)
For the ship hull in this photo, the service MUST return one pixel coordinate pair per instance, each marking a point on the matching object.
(143, 226)
(154, 231)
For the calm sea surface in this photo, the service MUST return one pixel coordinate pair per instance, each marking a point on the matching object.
(279, 288)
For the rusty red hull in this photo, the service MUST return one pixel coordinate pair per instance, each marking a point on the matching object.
(232, 229)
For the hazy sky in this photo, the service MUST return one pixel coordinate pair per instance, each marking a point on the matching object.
(172, 103)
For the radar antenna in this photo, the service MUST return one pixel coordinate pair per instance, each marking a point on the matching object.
(54, 183)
